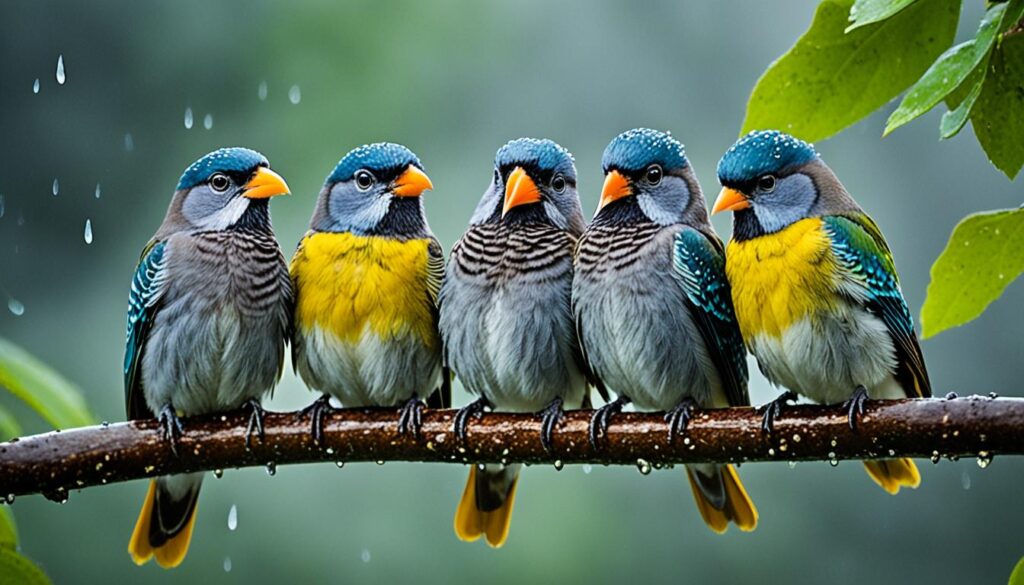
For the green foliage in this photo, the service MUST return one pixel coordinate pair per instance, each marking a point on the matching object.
(869, 11)
(831, 79)
(998, 115)
(9, 426)
(982, 257)
(46, 391)
(8, 530)
(1017, 576)
(16, 569)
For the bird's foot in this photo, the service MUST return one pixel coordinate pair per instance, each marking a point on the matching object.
(410, 418)
(602, 417)
(316, 411)
(256, 414)
(678, 418)
(773, 409)
(550, 417)
(855, 405)
(475, 410)
(171, 427)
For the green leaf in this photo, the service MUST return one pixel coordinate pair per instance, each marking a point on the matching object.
(1017, 576)
(9, 426)
(8, 530)
(948, 72)
(830, 80)
(998, 115)
(16, 569)
(46, 391)
(869, 11)
(953, 121)
(983, 256)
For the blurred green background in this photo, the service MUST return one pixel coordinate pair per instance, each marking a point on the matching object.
(454, 81)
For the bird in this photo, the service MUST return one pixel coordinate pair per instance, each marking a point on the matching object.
(506, 321)
(815, 287)
(366, 277)
(208, 318)
(653, 309)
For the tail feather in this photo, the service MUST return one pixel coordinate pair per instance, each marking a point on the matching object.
(892, 474)
(164, 527)
(721, 497)
(486, 505)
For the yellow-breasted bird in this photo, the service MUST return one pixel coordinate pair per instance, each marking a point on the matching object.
(815, 287)
(366, 279)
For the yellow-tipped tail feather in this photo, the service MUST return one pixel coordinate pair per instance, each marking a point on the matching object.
(471, 523)
(892, 474)
(172, 552)
(738, 508)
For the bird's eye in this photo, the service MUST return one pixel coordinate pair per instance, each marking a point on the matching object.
(654, 174)
(766, 183)
(558, 183)
(220, 182)
(364, 180)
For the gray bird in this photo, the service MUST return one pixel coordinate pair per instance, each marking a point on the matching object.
(506, 322)
(208, 317)
(653, 309)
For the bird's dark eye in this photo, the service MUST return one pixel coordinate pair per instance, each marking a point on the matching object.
(766, 183)
(654, 174)
(558, 183)
(220, 182)
(364, 180)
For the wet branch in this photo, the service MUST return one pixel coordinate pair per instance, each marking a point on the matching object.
(54, 463)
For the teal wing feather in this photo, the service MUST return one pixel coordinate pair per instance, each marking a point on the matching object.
(143, 301)
(699, 262)
(870, 279)
(442, 397)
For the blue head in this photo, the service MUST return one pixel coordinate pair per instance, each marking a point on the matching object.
(533, 180)
(374, 190)
(647, 176)
(770, 180)
(226, 188)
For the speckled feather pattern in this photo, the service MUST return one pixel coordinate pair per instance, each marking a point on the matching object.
(235, 159)
(380, 155)
(636, 149)
(763, 152)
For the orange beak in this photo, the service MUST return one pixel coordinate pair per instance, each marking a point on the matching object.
(265, 183)
(519, 190)
(616, 186)
(730, 200)
(412, 183)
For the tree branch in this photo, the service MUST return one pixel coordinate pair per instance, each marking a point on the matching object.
(54, 463)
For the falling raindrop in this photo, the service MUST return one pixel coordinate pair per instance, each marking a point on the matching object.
(208, 121)
(35, 86)
(56, 186)
(97, 190)
(262, 91)
(295, 94)
(88, 231)
(1, 205)
(365, 555)
(227, 564)
(643, 466)
(218, 473)
(16, 308)
(188, 118)
(60, 69)
(271, 468)
(984, 459)
(129, 142)
(965, 480)
(233, 517)
(587, 468)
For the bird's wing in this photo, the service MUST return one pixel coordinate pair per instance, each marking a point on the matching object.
(143, 303)
(699, 263)
(869, 278)
(442, 398)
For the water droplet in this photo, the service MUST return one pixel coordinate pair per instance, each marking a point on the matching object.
(15, 306)
(227, 564)
(208, 121)
(56, 186)
(587, 468)
(1, 205)
(792, 464)
(936, 457)
(965, 480)
(262, 91)
(992, 395)
(10, 499)
(233, 517)
(60, 69)
(340, 464)
(1001, 276)
(218, 473)
(984, 459)
(97, 190)
(643, 466)
(271, 468)
(330, 451)
(295, 94)
(88, 231)
(365, 555)
(129, 142)
(35, 86)
(380, 462)
(559, 465)
(951, 395)
(188, 118)
(832, 459)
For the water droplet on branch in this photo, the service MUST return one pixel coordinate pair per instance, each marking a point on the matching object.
(643, 466)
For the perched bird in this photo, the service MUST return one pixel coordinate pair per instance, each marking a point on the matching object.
(653, 309)
(366, 278)
(815, 287)
(506, 320)
(208, 316)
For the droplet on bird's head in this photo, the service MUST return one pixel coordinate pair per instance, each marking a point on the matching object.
(60, 70)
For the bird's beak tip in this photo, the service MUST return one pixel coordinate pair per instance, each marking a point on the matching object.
(265, 183)
(730, 200)
(519, 190)
(412, 182)
(616, 186)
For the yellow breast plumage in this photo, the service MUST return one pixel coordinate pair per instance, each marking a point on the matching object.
(347, 284)
(778, 279)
